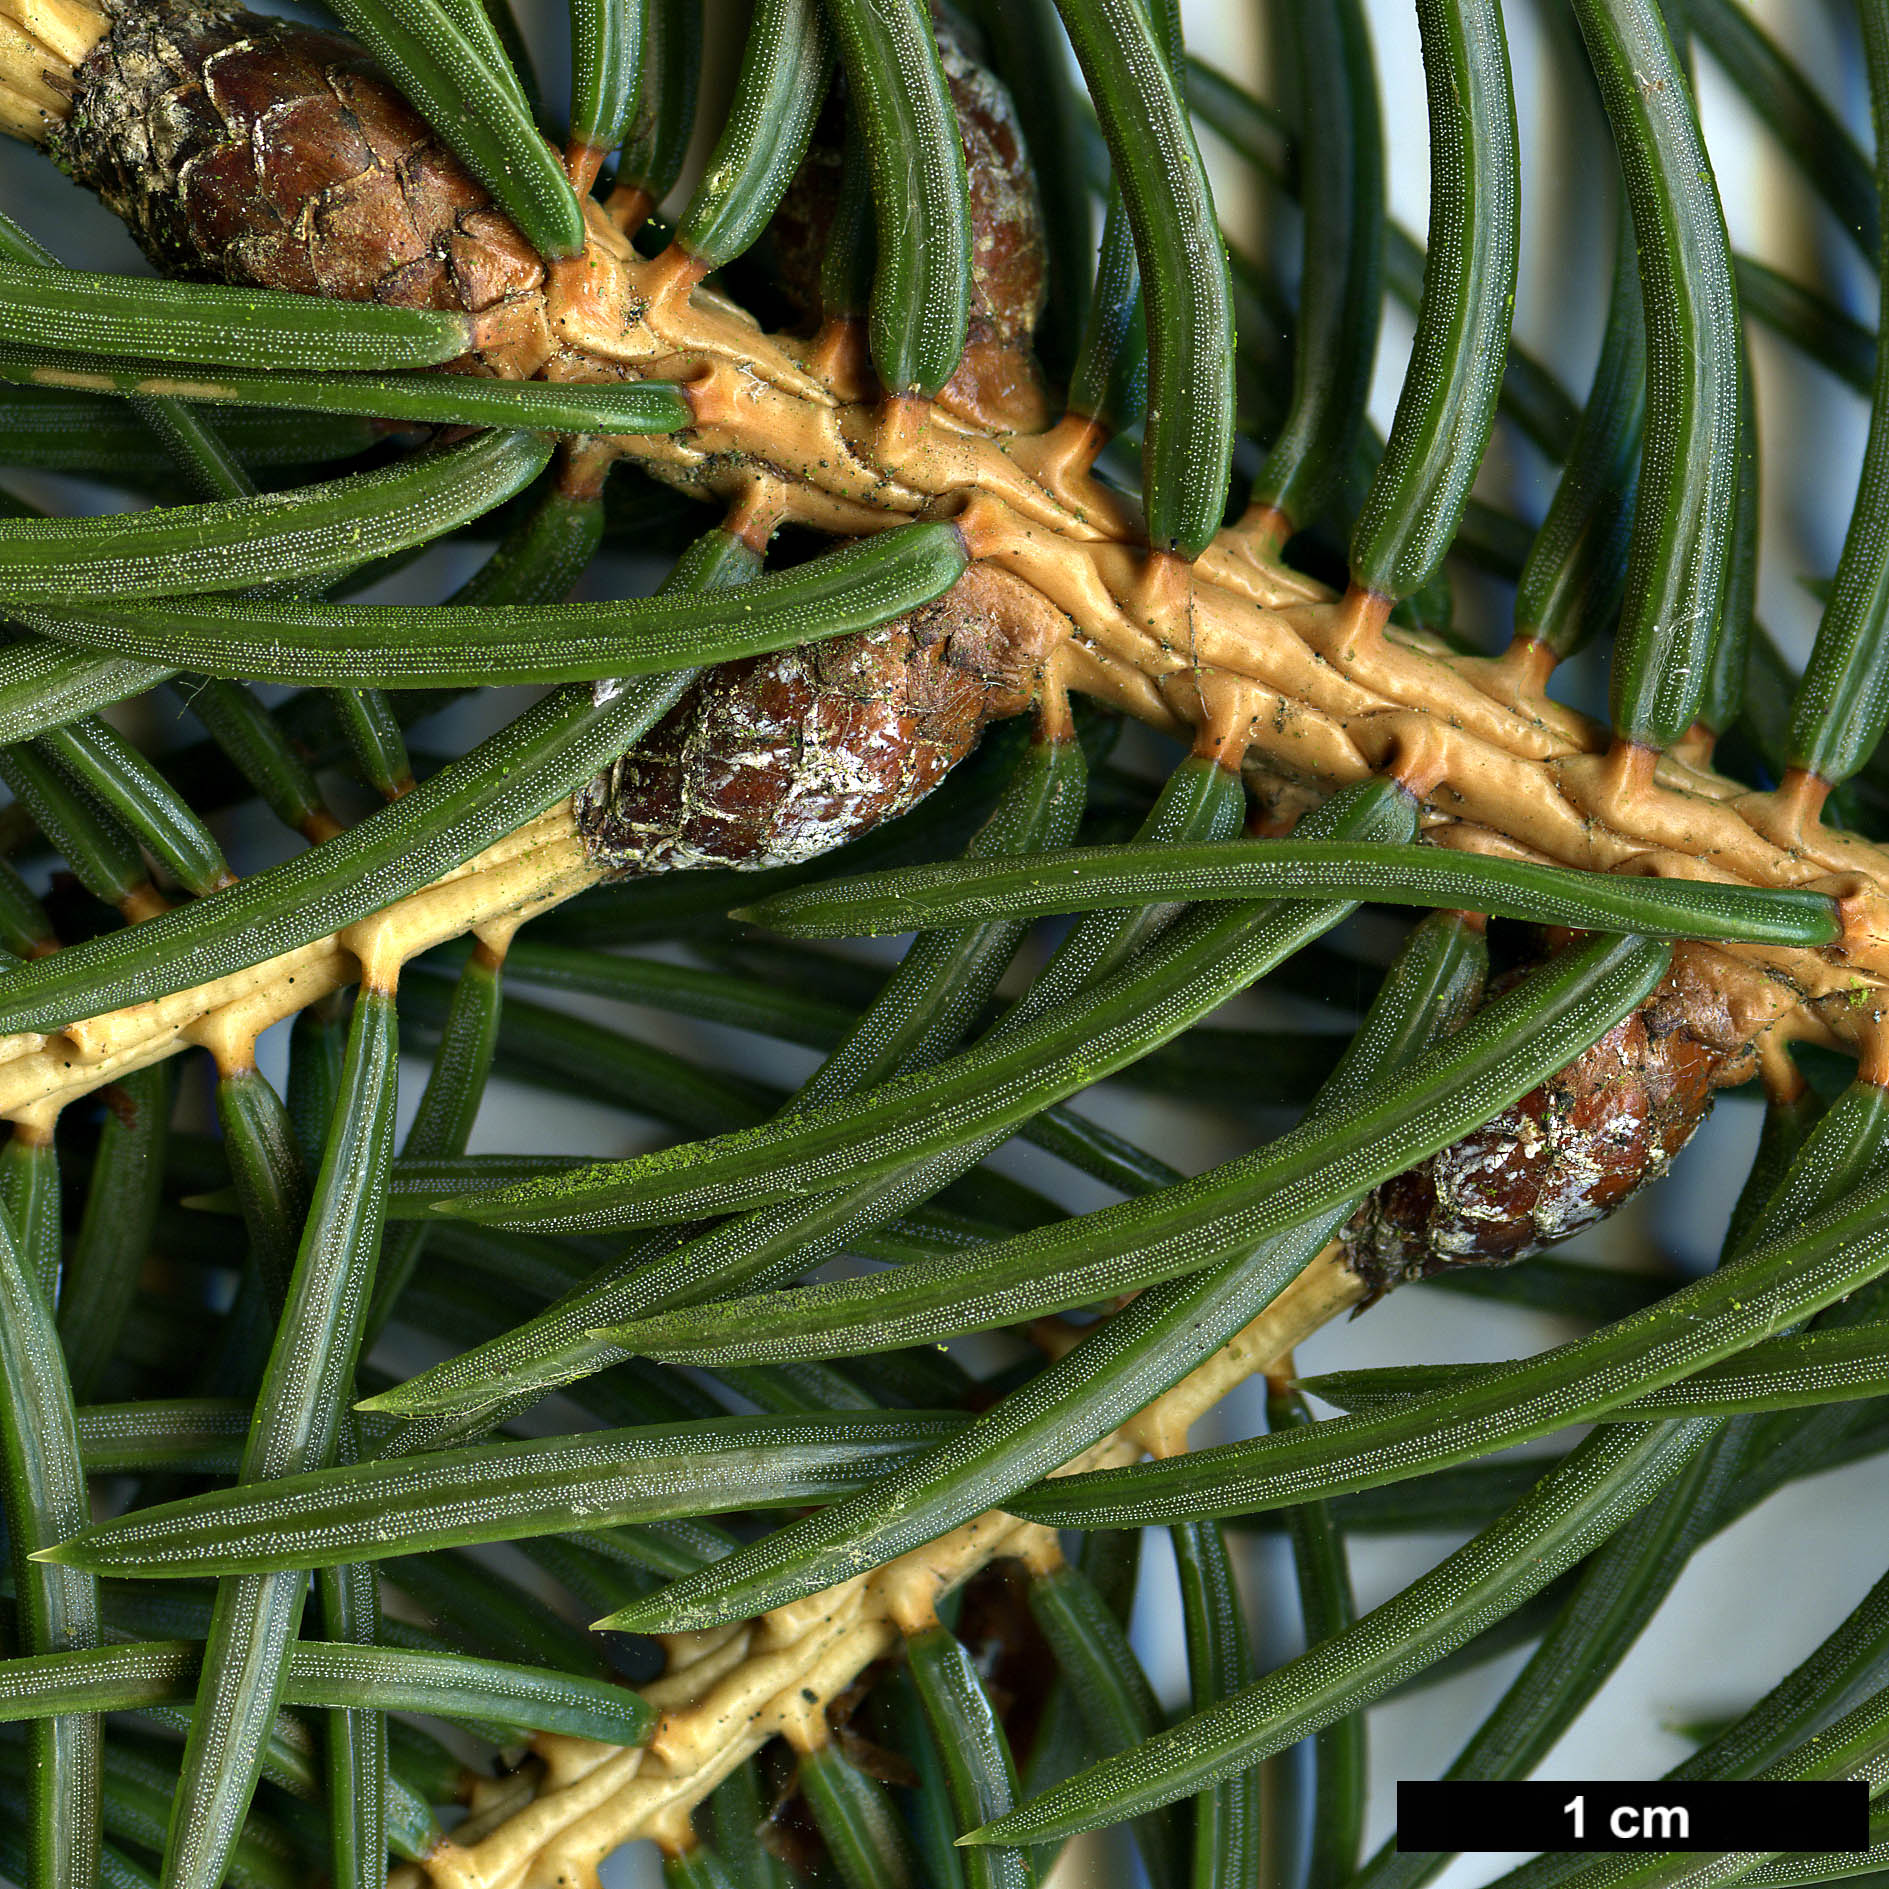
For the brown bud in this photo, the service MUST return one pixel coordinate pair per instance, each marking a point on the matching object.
(997, 382)
(776, 759)
(1568, 1153)
(802, 224)
(256, 152)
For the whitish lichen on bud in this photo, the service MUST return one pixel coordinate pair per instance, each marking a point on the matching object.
(777, 759)
(1570, 1152)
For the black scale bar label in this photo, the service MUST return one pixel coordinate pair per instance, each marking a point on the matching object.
(1610, 1815)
